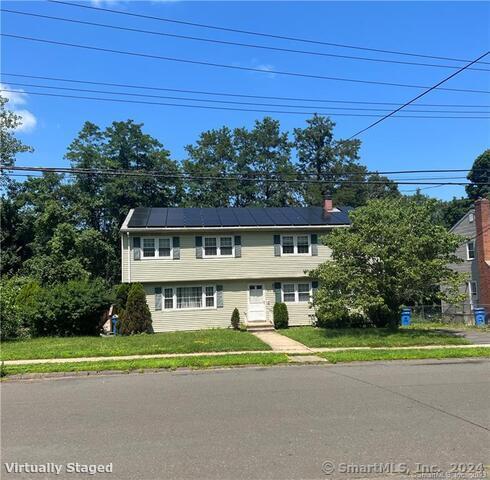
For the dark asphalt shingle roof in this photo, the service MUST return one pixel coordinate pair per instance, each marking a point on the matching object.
(143, 217)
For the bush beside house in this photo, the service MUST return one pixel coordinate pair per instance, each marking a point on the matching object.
(136, 317)
(63, 309)
(281, 315)
(235, 319)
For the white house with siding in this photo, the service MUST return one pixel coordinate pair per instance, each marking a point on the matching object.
(198, 264)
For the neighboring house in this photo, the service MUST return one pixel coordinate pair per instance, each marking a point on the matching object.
(475, 253)
(198, 264)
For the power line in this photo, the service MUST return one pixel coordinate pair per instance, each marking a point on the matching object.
(227, 94)
(236, 109)
(186, 177)
(234, 102)
(261, 34)
(419, 96)
(231, 67)
(239, 44)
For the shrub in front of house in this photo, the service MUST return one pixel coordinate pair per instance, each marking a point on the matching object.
(64, 309)
(136, 318)
(235, 319)
(281, 316)
(121, 293)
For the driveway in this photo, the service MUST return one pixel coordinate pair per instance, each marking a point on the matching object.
(253, 423)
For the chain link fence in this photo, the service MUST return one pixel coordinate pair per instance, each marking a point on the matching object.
(457, 313)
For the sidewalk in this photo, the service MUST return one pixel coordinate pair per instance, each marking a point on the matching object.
(289, 347)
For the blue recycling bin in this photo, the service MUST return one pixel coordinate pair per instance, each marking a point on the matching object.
(479, 316)
(114, 319)
(406, 317)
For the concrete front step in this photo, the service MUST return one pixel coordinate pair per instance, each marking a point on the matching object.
(259, 327)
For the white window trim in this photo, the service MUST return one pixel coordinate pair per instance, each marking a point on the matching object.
(203, 300)
(218, 247)
(295, 245)
(468, 250)
(470, 283)
(296, 293)
(157, 250)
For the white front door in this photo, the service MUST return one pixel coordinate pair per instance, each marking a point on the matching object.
(256, 303)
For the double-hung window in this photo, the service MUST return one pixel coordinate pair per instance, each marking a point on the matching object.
(189, 297)
(218, 246)
(470, 250)
(157, 247)
(295, 244)
(296, 292)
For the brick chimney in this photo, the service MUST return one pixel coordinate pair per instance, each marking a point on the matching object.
(482, 220)
(327, 204)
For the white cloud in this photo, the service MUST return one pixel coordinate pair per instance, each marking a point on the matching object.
(16, 97)
(28, 121)
(267, 68)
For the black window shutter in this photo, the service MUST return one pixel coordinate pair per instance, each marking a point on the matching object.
(277, 291)
(314, 244)
(198, 247)
(136, 248)
(176, 248)
(277, 245)
(238, 246)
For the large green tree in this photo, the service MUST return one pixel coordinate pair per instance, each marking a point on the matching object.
(104, 200)
(479, 175)
(393, 254)
(324, 159)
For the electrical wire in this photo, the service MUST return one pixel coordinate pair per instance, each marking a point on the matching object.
(226, 66)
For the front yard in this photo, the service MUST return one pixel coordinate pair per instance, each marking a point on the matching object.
(370, 337)
(216, 340)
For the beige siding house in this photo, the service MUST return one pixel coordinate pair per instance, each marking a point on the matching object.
(198, 264)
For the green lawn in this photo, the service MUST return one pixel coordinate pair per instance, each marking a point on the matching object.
(170, 363)
(369, 337)
(437, 353)
(216, 340)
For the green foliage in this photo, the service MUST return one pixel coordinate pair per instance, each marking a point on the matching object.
(10, 146)
(65, 309)
(281, 315)
(11, 320)
(121, 293)
(393, 254)
(479, 174)
(235, 319)
(136, 317)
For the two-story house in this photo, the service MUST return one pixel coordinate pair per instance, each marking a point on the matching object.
(198, 264)
(475, 256)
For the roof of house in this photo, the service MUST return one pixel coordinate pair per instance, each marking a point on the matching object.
(142, 217)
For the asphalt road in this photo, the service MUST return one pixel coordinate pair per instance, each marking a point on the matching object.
(253, 423)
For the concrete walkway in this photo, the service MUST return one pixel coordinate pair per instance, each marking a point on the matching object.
(281, 343)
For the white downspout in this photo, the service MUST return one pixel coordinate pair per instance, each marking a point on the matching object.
(129, 259)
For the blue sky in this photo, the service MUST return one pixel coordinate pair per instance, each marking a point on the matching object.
(450, 29)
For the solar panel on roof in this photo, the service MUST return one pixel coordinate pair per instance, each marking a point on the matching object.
(260, 216)
(192, 217)
(210, 217)
(157, 218)
(139, 217)
(244, 217)
(301, 216)
(279, 216)
(227, 217)
(175, 217)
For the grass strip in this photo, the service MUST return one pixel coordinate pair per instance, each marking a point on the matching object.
(141, 364)
(370, 337)
(213, 340)
(346, 356)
